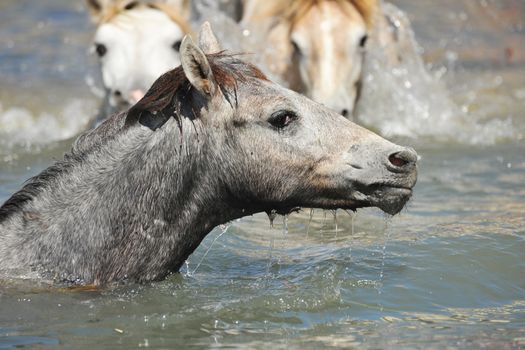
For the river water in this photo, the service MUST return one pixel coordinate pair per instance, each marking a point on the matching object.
(448, 272)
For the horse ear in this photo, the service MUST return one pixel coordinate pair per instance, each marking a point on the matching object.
(98, 8)
(95, 8)
(196, 67)
(207, 40)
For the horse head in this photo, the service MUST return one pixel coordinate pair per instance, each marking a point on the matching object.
(318, 46)
(273, 148)
(136, 42)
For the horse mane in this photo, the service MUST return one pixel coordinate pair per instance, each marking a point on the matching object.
(293, 11)
(35, 185)
(117, 7)
(169, 96)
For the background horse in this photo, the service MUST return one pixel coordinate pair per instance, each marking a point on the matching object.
(136, 42)
(315, 46)
(211, 141)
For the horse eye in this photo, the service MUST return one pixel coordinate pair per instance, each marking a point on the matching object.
(176, 45)
(282, 119)
(100, 49)
(363, 40)
(131, 5)
(296, 48)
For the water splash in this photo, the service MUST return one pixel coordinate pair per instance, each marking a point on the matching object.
(334, 212)
(271, 249)
(224, 228)
(323, 225)
(414, 102)
(188, 271)
(310, 221)
(20, 126)
(386, 238)
(285, 226)
(271, 216)
(284, 237)
(352, 215)
(270, 256)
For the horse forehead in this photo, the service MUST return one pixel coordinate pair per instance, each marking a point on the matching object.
(141, 19)
(330, 19)
(269, 96)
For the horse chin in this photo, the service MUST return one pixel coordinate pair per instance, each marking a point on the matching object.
(390, 199)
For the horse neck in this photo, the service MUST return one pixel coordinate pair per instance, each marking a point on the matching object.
(193, 197)
(173, 192)
(137, 199)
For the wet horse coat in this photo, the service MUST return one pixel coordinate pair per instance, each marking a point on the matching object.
(211, 141)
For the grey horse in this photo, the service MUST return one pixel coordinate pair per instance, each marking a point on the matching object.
(212, 141)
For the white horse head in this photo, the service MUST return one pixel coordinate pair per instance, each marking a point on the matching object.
(136, 42)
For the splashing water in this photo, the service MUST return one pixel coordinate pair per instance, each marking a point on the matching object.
(270, 256)
(188, 271)
(271, 249)
(284, 237)
(19, 126)
(352, 216)
(285, 226)
(224, 228)
(271, 216)
(386, 237)
(323, 226)
(309, 221)
(335, 220)
(414, 102)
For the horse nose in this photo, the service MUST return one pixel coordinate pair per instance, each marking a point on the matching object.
(136, 95)
(344, 112)
(402, 161)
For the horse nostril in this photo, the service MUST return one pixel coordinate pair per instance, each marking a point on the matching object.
(344, 113)
(403, 158)
(396, 161)
(117, 93)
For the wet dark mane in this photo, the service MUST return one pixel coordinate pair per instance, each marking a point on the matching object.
(170, 96)
(35, 185)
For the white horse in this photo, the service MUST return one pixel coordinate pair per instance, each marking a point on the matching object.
(136, 42)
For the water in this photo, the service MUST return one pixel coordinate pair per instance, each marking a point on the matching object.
(45, 46)
(418, 103)
(447, 272)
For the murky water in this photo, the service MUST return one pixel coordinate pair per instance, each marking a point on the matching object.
(449, 271)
